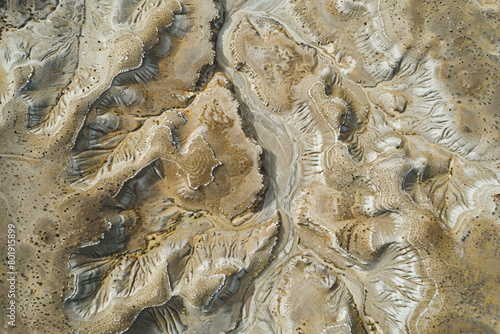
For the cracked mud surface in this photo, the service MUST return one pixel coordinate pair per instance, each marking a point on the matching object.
(232, 166)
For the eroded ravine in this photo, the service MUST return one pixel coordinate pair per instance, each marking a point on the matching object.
(252, 166)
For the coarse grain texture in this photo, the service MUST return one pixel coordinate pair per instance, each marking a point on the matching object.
(250, 166)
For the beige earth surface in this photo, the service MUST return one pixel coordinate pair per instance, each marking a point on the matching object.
(232, 166)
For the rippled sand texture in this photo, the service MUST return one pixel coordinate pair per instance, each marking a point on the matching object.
(291, 166)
